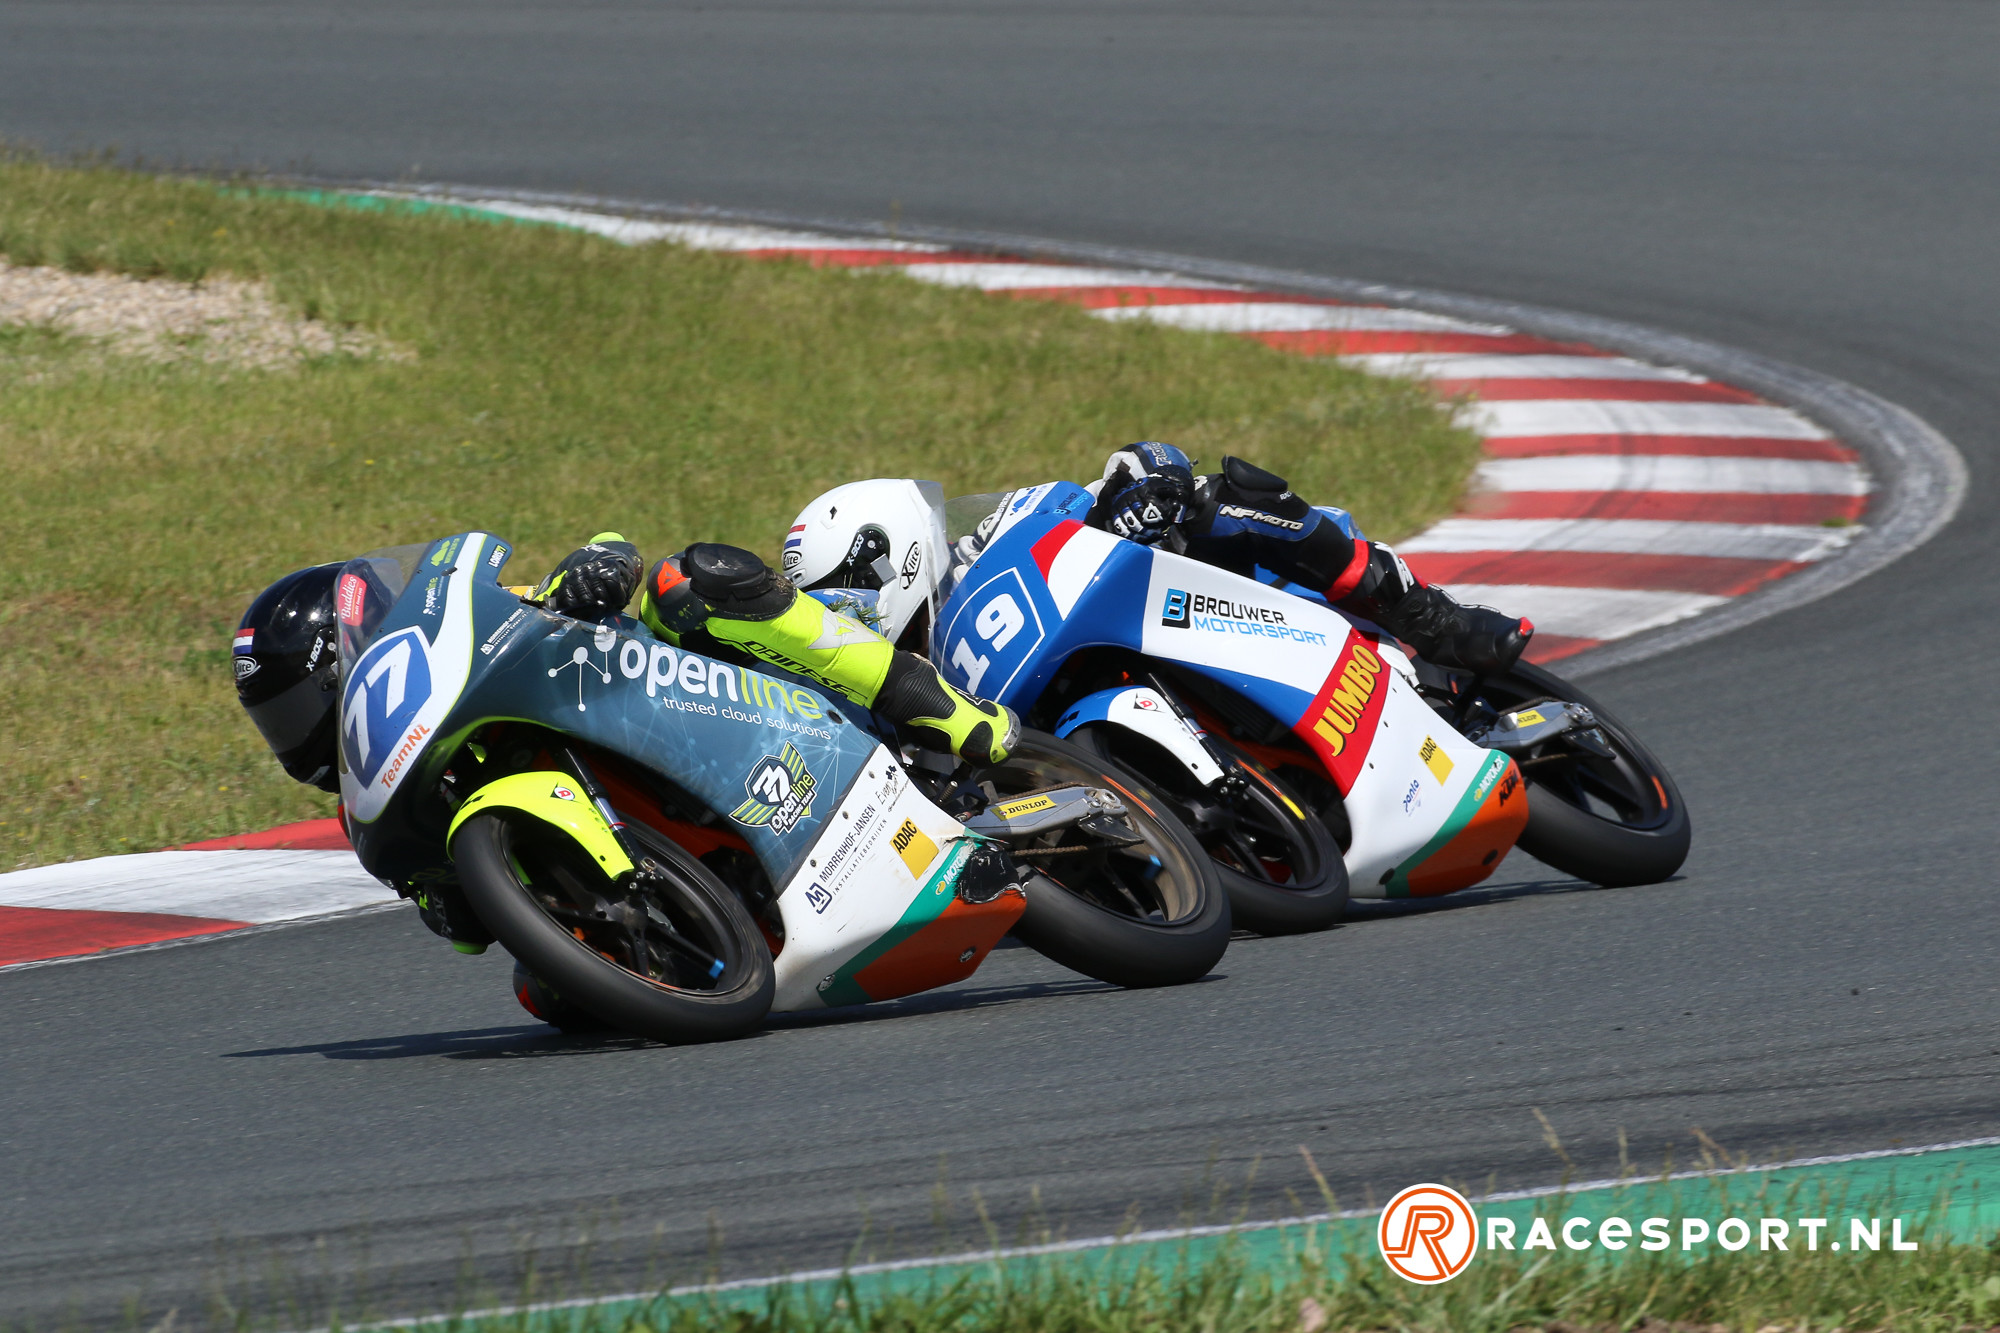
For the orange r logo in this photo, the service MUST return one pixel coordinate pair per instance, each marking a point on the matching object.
(1428, 1233)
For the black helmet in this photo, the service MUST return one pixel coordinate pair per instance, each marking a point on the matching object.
(287, 674)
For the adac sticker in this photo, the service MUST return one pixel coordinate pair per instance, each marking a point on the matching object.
(915, 847)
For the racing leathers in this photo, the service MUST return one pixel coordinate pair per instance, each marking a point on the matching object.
(724, 601)
(1243, 517)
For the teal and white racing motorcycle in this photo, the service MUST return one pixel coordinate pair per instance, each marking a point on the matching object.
(676, 846)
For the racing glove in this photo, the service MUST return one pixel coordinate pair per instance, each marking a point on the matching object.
(1147, 489)
(593, 581)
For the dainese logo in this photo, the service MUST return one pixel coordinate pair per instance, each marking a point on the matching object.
(1428, 1234)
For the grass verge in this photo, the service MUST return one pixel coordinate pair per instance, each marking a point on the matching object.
(558, 384)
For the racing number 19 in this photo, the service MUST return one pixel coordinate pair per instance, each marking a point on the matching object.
(997, 622)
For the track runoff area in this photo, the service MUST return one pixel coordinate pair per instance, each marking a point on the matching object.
(1618, 496)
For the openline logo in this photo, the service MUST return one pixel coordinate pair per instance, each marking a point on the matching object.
(1428, 1234)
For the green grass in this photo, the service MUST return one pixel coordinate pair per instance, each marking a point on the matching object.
(1321, 1282)
(561, 384)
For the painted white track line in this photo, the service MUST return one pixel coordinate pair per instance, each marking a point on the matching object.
(1626, 494)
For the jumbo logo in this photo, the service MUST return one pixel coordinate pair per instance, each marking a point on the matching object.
(1346, 696)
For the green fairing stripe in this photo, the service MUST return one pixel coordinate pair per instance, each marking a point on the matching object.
(1461, 815)
(930, 902)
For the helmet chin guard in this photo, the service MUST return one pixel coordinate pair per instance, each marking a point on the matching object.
(884, 537)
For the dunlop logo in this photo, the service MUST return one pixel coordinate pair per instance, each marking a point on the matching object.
(1356, 685)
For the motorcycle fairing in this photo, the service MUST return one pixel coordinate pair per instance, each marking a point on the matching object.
(1347, 691)
(874, 913)
(773, 755)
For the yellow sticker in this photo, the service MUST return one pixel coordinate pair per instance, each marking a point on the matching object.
(916, 850)
(1025, 806)
(1528, 717)
(1435, 759)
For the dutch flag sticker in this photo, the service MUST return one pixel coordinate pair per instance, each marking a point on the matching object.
(244, 641)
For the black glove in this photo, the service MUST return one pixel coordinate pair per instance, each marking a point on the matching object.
(1147, 489)
(593, 581)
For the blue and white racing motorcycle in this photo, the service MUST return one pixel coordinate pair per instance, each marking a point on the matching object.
(1308, 753)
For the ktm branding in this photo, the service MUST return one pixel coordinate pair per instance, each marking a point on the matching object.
(1357, 683)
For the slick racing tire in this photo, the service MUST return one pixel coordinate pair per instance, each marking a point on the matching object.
(677, 960)
(1280, 866)
(1614, 822)
(1153, 913)
(545, 1002)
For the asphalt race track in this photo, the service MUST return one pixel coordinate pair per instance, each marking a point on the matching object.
(1811, 181)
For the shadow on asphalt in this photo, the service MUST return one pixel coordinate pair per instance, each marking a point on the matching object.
(536, 1041)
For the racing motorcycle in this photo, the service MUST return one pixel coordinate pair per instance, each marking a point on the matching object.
(1307, 752)
(675, 846)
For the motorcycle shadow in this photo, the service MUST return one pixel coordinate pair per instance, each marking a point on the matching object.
(1360, 911)
(524, 1041)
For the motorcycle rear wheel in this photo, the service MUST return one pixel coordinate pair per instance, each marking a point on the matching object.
(1280, 866)
(678, 959)
(1616, 822)
(1153, 914)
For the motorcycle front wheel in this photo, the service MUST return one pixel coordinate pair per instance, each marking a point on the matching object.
(1282, 870)
(1618, 821)
(1151, 912)
(675, 957)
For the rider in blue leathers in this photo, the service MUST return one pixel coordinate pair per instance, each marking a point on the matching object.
(1243, 517)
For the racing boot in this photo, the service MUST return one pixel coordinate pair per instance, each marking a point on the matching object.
(944, 717)
(739, 599)
(1465, 638)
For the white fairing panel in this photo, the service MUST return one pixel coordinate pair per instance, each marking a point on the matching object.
(1205, 616)
(1401, 799)
(854, 886)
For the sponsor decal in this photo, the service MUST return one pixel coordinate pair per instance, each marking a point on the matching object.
(1412, 801)
(913, 563)
(1528, 717)
(1348, 696)
(498, 558)
(917, 850)
(562, 793)
(385, 691)
(603, 638)
(1259, 516)
(1428, 1234)
(1485, 784)
(818, 898)
(1510, 786)
(244, 667)
(352, 597)
(404, 752)
(1221, 615)
(244, 642)
(780, 788)
(494, 639)
(1435, 759)
(432, 602)
(1025, 806)
(444, 553)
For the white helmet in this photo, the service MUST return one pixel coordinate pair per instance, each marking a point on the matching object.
(882, 536)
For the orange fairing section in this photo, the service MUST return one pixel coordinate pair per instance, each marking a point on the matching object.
(949, 948)
(1476, 850)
